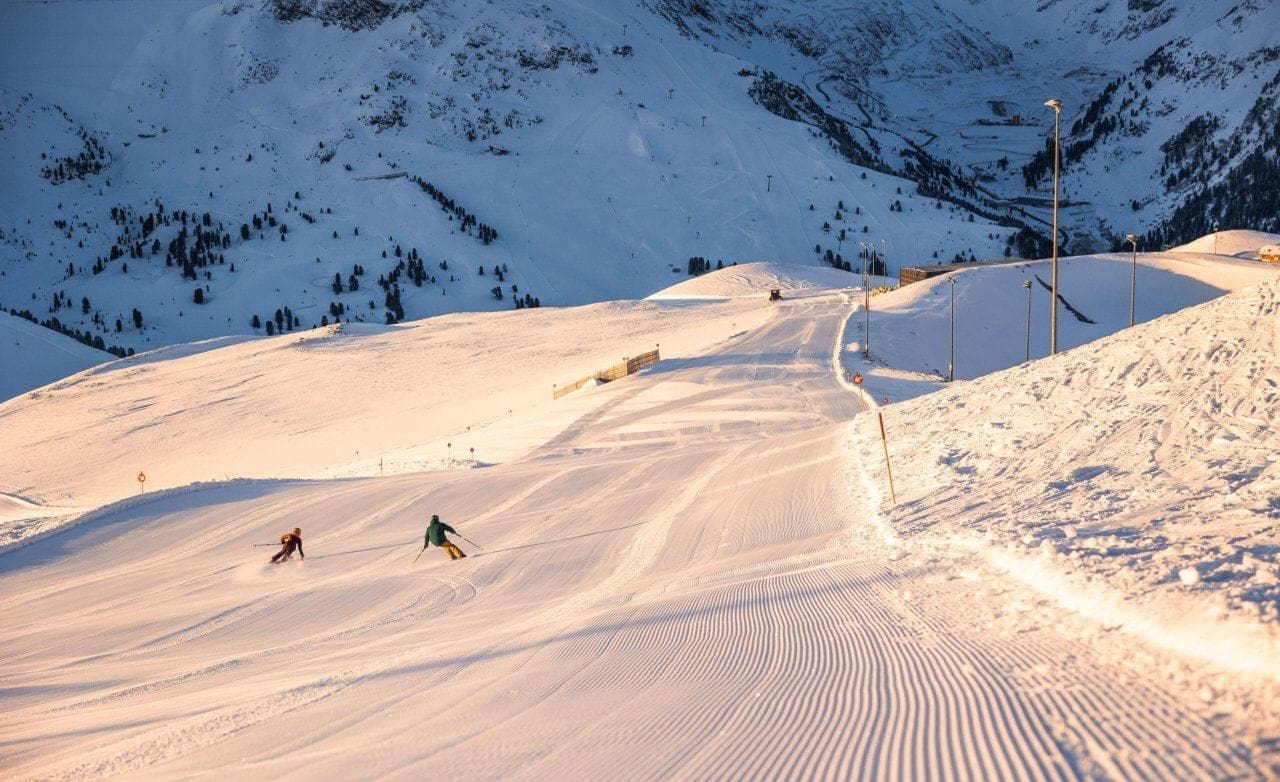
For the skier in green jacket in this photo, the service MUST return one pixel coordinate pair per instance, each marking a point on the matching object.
(435, 537)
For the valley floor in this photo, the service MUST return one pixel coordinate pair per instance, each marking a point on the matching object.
(678, 584)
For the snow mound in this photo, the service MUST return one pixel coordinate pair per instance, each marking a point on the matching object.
(1241, 244)
(1134, 479)
(756, 279)
(33, 356)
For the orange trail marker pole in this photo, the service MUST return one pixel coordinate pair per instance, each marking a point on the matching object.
(884, 441)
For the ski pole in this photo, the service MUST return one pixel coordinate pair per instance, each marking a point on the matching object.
(415, 559)
(260, 545)
(477, 545)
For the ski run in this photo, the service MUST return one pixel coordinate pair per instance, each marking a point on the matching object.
(695, 572)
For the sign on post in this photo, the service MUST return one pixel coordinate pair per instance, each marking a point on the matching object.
(142, 481)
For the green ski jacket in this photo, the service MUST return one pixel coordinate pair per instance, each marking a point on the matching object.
(435, 533)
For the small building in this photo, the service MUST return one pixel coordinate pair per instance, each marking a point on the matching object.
(910, 274)
(1269, 253)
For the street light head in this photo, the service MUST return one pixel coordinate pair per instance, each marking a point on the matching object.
(1026, 283)
(1131, 238)
(1054, 104)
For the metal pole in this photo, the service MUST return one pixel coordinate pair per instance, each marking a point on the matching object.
(1133, 277)
(951, 364)
(866, 305)
(1053, 312)
(1027, 284)
(472, 542)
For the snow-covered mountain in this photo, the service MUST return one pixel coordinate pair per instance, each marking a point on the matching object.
(295, 162)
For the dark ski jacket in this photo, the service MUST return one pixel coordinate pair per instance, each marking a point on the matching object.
(435, 533)
(290, 542)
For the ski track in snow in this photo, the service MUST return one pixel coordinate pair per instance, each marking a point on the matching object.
(678, 585)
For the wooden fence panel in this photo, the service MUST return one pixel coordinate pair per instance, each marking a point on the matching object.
(615, 372)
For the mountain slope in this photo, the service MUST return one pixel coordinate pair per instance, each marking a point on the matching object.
(586, 151)
(34, 356)
(674, 583)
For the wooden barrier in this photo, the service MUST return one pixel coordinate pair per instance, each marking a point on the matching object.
(629, 366)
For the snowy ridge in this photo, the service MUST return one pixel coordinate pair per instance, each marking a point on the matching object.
(757, 279)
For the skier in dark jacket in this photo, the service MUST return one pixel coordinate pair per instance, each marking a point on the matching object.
(289, 541)
(435, 537)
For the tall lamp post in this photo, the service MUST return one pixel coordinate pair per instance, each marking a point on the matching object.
(951, 363)
(1056, 105)
(1027, 284)
(866, 305)
(1133, 276)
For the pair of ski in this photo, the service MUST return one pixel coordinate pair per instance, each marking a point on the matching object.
(424, 548)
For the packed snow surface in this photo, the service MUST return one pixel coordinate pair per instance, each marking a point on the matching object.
(1135, 478)
(693, 571)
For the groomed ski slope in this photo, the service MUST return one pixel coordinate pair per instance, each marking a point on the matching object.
(676, 583)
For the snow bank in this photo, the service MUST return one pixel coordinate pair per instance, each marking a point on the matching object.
(1241, 244)
(757, 279)
(1134, 479)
